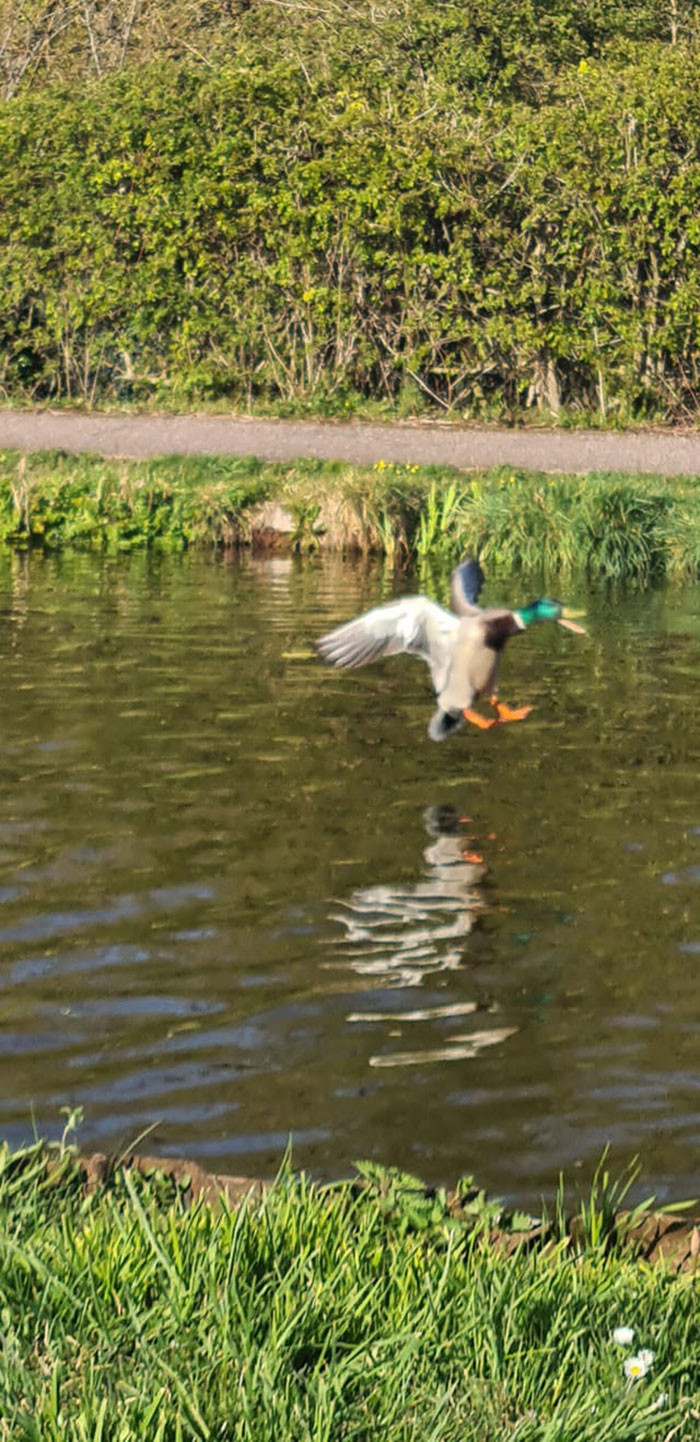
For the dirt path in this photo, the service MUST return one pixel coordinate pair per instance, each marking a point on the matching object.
(661, 453)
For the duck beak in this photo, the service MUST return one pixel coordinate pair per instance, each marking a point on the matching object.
(567, 621)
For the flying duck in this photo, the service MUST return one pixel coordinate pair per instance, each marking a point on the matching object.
(462, 647)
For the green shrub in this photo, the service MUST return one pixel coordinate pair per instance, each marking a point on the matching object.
(474, 44)
(420, 223)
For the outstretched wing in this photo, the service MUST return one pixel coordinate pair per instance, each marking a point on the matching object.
(414, 624)
(467, 581)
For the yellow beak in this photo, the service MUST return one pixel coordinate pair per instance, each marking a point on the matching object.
(567, 620)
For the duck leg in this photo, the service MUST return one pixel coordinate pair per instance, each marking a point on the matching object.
(505, 713)
(509, 713)
(483, 722)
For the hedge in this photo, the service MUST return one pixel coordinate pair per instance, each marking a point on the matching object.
(257, 232)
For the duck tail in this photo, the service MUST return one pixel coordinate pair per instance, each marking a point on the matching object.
(443, 723)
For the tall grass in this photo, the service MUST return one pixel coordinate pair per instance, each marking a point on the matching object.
(612, 526)
(317, 1314)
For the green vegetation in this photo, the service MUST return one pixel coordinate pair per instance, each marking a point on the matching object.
(612, 526)
(481, 42)
(478, 207)
(54, 500)
(320, 1314)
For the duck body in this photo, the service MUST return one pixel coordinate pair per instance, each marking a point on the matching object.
(472, 667)
(462, 647)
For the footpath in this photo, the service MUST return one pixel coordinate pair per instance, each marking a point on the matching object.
(651, 452)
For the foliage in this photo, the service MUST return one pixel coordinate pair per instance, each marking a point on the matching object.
(55, 500)
(438, 519)
(479, 43)
(315, 1314)
(483, 208)
(413, 1207)
(614, 527)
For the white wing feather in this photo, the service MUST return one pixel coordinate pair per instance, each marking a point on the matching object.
(414, 625)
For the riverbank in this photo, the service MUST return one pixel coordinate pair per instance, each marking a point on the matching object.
(349, 1310)
(610, 525)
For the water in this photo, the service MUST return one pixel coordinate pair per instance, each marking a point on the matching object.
(240, 896)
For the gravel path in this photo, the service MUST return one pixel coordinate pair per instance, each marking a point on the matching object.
(661, 453)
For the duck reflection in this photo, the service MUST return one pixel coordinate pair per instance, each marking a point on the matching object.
(404, 936)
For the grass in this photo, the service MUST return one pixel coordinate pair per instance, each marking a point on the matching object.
(613, 526)
(319, 1314)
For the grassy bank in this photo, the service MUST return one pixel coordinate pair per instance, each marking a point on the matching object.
(322, 1314)
(612, 526)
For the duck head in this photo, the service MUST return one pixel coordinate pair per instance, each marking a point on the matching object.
(545, 609)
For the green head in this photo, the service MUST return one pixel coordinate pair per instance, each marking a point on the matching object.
(546, 610)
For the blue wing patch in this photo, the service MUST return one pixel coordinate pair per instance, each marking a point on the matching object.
(468, 580)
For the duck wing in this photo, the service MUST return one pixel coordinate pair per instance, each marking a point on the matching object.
(414, 624)
(467, 581)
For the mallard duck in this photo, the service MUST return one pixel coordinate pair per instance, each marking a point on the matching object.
(462, 647)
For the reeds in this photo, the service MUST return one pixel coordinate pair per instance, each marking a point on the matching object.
(611, 526)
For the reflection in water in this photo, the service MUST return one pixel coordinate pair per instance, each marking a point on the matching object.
(457, 1048)
(404, 934)
(400, 936)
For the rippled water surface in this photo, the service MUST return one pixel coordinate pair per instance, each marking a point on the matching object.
(242, 895)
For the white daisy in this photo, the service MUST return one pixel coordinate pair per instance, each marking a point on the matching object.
(623, 1336)
(637, 1367)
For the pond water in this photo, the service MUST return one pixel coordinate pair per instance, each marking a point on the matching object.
(243, 895)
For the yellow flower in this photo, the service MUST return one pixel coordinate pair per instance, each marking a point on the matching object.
(583, 67)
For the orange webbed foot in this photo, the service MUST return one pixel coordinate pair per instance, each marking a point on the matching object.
(483, 722)
(512, 713)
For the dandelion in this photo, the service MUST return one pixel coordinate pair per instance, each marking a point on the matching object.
(623, 1336)
(637, 1367)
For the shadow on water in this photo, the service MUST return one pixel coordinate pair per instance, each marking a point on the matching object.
(242, 895)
